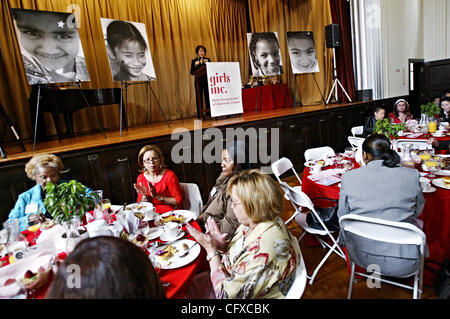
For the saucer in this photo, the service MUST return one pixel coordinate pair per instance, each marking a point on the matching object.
(163, 237)
(431, 190)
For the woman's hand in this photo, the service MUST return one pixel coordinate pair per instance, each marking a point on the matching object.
(212, 241)
(197, 63)
(141, 189)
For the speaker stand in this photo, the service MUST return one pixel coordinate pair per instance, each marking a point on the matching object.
(336, 82)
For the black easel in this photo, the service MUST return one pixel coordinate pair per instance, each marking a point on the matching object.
(317, 84)
(125, 84)
(11, 126)
(295, 89)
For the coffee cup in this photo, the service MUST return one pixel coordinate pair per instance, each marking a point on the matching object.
(315, 169)
(172, 230)
(149, 213)
(426, 186)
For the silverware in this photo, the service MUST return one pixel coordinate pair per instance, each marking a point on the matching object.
(165, 284)
(187, 251)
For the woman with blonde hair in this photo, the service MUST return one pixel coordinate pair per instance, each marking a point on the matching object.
(42, 168)
(156, 183)
(261, 259)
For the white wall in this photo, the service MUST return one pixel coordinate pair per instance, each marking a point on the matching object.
(402, 39)
(412, 29)
(436, 29)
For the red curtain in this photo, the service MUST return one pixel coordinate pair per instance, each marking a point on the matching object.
(340, 14)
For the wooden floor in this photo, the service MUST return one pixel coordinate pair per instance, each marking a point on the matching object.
(332, 280)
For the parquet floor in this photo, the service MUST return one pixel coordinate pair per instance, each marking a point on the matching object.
(332, 280)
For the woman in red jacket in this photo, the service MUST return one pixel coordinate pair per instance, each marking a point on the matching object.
(157, 184)
(401, 112)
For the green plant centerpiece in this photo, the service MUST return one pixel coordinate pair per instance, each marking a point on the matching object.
(430, 109)
(387, 128)
(67, 200)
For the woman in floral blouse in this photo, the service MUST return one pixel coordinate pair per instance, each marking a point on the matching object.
(261, 259)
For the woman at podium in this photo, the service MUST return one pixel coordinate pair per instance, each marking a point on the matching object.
(201, 91)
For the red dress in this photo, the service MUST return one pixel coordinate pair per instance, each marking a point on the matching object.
(396, 120)
(168, 186)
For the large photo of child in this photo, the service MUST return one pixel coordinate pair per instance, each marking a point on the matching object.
(264, 50)
(50, 46)
(302, 52)
(128, 50)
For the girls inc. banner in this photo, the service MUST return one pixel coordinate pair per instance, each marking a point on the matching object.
(224, 85)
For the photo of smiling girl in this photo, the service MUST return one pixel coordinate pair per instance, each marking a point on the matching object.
(128, 52)
(302, 52)
(50, 46)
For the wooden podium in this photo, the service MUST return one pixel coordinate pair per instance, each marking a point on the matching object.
(201, 107)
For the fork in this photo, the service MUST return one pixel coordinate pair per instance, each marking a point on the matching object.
(187, 251)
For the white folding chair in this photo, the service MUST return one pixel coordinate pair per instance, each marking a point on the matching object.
(282, 166)
(357, 130)
(192, 194)
(355, 141)
(298, 200)
(318, 153)
(374, 229)
(298, 286)
(421, 143)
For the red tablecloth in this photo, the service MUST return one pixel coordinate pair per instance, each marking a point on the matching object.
(179, 278)
(267, 97)
(435, 215)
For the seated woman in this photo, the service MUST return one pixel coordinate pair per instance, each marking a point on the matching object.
(109, 268)
(401, 113)
(157, 184)
(261, 259)
(371, 120)
(41, 168)
(382, 189)
(235, 158)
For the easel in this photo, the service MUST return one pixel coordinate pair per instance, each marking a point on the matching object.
(8, 122)
(39, 85)
(336, 82)
(125, 85)
(317, 84)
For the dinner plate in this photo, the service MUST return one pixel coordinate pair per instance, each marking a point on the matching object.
(443, 172)
(312, 163)
(154, 232)
(175, 261)
(440, 183)
(164, 235)
(186, 214)
(137, 207)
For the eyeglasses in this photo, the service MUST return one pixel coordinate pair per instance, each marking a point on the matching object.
(234, 204)
(148, 160)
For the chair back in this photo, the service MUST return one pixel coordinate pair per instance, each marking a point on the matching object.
(355, 141)
(379, 230)
(282, 166)
(421, 143)
(192, 194)
(357, 130)
(298, 286)
(318, 153)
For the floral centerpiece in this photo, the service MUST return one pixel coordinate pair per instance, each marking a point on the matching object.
(430, 109)
(68, 200)
(390, 130)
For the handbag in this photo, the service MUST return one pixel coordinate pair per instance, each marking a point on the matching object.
(442, 282)
(327, 214)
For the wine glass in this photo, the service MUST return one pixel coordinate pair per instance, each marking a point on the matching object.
(433, 166)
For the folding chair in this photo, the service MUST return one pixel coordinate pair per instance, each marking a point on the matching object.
(300, 199)
(192, 194)
(357, 130)
(421, 143)
(355, 141)
(282, 166)
(298, 286)
(385, 231)
(318, 153)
